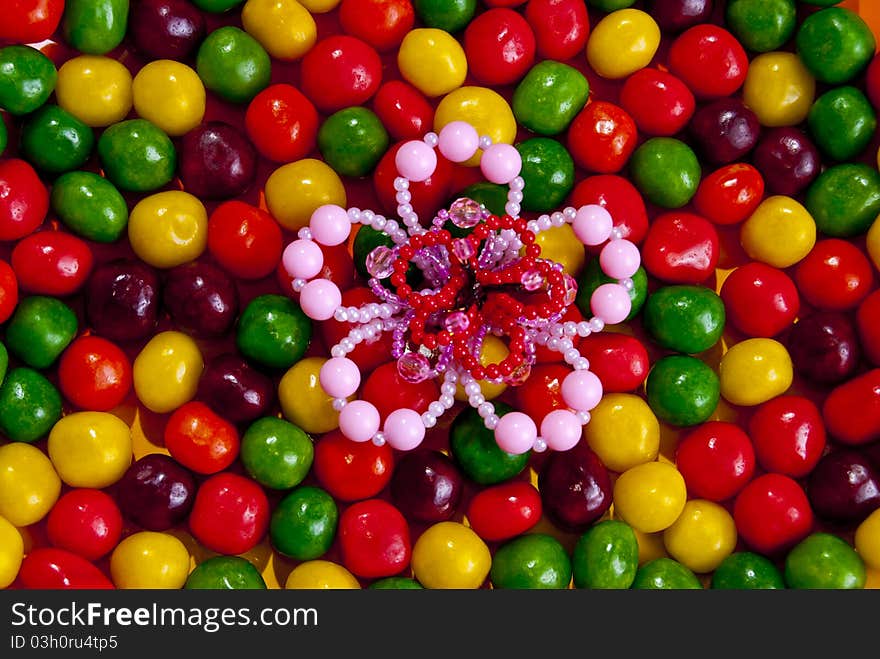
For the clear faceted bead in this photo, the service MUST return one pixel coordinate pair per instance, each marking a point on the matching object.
(380, 262)
(571, 289)
(532, 279)
(462, 249)
(465, 213)
(456, 322)
(413, 367)
(519, 375)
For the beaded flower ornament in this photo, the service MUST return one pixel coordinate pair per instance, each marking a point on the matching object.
(442, 290)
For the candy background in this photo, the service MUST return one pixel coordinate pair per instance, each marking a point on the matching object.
(147, 427)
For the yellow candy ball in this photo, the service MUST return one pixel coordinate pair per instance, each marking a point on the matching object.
(321, 575)
(168, 229)
(150, 560)
(303, 401)
(779, 89)
(702, 536)
(867, 540)
(169, 94)
(650, 497)
(780, 232)
(295, 190)
(29, 485)
(285, 28)
(450, 555)
(11, 552)
(432, 61)
(494, 352)
(166, 372)
(320, 6)
(95, 89)
(623, 432)
(481, 107)
(561, 245)
(622, 43)
(872, 243)
(754, 371)
(90, 449)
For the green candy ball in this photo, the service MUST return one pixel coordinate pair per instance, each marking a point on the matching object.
(225, 573)
(95, 26)
(824, 561)
(683, 318)
(449, 15)
(137, 156)
(396, 583)
(842, 121)
(4, 361)
(610, 5)
(474, 449)
(303, 525)
(745, 570)
(665, 574)
(273, 331)
(592, 277)
(666, 171)
(835, 44)
(276, 453)
(27, 79)
(762, 25)
(29, 405)
(548, 172)
(353, 141)
(55, 141)
(90, 206)
(233, 65)
(4, 135)
(844, 200)
(606, 556)
(216, 6)
(549, 96)
(682, 390)
(40, 329)
(534, 561)
(491, 195)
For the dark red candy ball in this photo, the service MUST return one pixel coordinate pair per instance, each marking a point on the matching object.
(561, 27)
(835, 276)
(660, 103)
(340, 71)
(352, 470)
(710, 60)
(844, 487)
(824, 347)
(166, 29)
(716, 460)
(156, 492)
(403, 110)
(602, 137)
(504, 511)
(772, 514)
(619, 361)
(201, 299)
(620, 198)
(754, 286)
(381, 23)
(787, 159)
(235, 390)
(575, 488)
(122, 300)
(724, 130)
(681, 248)
(500, 47)
(677, 15)
(788, 435)
(730, 194)
(868, 324)
(426, 486)
(852, 410)
(86, 522)
(374, 539)
(53, 263)
(216, 161)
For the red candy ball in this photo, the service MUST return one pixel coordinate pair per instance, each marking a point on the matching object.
(86, 522)
(835, 276)
(200, 439)
(602, 137)
(428, 196)
(542, 392)
(24, 200)
(709, 60)
(94, 374)
(504, 511)
(52, 263)
(381, 23)
(619, 361)
(8, 291)
(788, 435)
(561, 27)
(48, 568)
(368, 354)
(349, 470)
(230, 514)
(282, 123)
(385, 389)
(759, 286)
(30, 21)
(716, 460)
(374, 539)
(620, 198)
(852, 410)
(245, 240)
(867, 323)
(730, 194)
(772, 514)
(658, 102)
(500, 47)
(340, 71)
(403, 110)
(681, 248)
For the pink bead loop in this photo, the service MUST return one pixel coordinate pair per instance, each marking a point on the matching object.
(416, 160)
(592, 224)
(459, 141)
(516, 433)
(359, 421)
(611, 303)
(501, 163)
(340, 377)
(302, 259)
(561, 430)
(319, 299)
(620, 259)
(581, 390)
(330, 225)
(404, 429)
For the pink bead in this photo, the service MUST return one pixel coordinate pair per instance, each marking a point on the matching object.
(359, 421)
(459, 141)
(611, 303)
(561, 430)
(330, 225)
(302, 259)
(404, 429)
(515, 433)
(319, 299)
(415, 160)
(340, 377)
(592, 224)
(501, 163)
(581, 390)
(620, 259)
